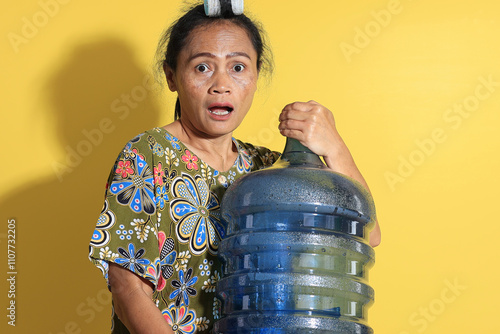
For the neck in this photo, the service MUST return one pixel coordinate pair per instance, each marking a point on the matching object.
(219, 152)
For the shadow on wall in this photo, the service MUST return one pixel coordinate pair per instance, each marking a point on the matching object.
(100, 98)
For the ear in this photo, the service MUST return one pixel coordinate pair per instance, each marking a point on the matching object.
(170, 76)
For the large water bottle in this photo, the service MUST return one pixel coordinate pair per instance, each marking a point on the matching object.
(296, 253)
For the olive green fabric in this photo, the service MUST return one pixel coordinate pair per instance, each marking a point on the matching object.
(161, 220)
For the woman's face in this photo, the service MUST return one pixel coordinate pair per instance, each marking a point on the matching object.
(215, 79)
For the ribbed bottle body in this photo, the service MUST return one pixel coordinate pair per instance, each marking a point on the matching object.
(296, 253)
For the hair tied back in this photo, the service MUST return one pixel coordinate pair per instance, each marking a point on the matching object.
(217, 8)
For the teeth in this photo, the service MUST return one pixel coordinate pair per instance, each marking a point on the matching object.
(219, 112)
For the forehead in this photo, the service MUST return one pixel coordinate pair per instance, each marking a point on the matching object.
(219, 38)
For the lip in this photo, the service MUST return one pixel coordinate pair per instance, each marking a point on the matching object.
(226, 106)
(221, 105)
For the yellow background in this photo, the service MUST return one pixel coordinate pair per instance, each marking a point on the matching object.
(436, 196)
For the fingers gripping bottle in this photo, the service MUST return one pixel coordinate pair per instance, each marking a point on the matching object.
(296, 253)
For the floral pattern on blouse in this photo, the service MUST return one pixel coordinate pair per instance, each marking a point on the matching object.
(161, 220)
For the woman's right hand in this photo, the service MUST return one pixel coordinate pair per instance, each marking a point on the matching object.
(132, 299)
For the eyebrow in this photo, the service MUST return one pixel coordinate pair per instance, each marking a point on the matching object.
(211, 55)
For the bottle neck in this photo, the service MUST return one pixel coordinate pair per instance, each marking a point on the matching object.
(296, 154)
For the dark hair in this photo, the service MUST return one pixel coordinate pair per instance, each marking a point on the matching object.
(175, 38)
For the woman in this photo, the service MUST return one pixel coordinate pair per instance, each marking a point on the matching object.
(157, 237)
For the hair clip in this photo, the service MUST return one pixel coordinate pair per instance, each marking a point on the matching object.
(213, 8)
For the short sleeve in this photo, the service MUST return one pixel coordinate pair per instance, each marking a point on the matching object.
(126, 232)
(259, 156)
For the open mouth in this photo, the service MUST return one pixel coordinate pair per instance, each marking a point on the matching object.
(220, 110)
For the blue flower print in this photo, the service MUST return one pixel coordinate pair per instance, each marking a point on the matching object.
(244, 161)
(230, 176)
(155, 146)
(137, 138)
(181, 319)
(173, 141)
(101, 236)
(161, 197)
(168, 256)
(129, 152)
(195, 209)
(102, 265)
(184, 287)
(136, 189)
(132, 260)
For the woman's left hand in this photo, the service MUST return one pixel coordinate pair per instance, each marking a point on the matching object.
(313, 126)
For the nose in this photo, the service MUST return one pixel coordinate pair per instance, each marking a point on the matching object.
(221, 83)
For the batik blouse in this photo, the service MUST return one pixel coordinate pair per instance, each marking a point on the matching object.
(161, 220)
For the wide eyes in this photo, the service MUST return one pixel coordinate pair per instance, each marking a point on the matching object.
(202, 68)
(238, 67)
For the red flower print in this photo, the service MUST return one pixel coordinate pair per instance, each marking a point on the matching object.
(190, 160)
(124, 168)
(159, 174)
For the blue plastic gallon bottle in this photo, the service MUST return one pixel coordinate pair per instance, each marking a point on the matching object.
(296, 253)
